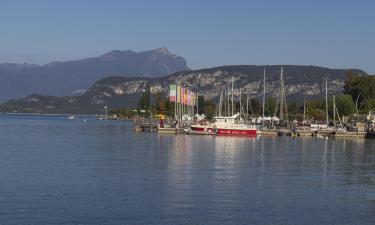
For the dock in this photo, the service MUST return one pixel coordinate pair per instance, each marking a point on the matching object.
(149, 125)
(153, 126)
(170, 130)
(318, 133)
(146, 127)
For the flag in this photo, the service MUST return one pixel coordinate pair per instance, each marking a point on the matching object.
(185, 96)
(178, 95)
(172, 93)
(192, 98)
(189, 98)
(182, 95)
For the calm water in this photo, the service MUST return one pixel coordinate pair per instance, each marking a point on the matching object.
(58, 171)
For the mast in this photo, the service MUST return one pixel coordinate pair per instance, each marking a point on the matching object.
(247, 107)
(228, 100)
(220, 102)
(225, 104)
(232, 97)
(304, 105)
(179, 105)
(327, 101)
(251, 109)
(175, 104)
(281, 95)
(304, 112)
(264, 89)
(240, 102)
(334, 112)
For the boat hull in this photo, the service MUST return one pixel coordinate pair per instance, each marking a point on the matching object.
(201, 129)
(236, 132)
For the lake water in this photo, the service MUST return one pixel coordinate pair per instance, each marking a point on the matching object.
(59, 171)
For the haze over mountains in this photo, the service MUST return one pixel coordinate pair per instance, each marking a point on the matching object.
(72, 77)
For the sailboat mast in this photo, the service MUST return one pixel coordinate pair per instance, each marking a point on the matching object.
(232, 96)
(247, 107)
(327, 101)
(304, 105)
(224, 101)
(304, 111)
(220, 103)
(281, 95)
(334, 112)
(240, 102)
(228, 100)
(175, 104)
(197, 103)
(264, 89)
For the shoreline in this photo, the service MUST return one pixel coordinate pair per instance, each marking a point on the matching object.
(48, 114)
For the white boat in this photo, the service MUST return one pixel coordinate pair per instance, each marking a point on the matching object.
(72, 117)
(233, 126)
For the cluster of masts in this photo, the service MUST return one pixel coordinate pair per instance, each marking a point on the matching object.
(227, 105)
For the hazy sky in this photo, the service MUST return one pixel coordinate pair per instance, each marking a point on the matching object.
(337, 34)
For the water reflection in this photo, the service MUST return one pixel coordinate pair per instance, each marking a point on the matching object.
(101, 172)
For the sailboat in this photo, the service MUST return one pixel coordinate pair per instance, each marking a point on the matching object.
(233, 124)
(71, 117)
(201, 126)
(105, 117)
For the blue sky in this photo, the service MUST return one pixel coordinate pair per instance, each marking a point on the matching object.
(337, 34)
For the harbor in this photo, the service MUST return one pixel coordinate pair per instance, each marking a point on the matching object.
(155, 127)
(234, 116)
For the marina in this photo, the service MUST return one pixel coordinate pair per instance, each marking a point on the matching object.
(154, 127)
(233, 118)
(187, 112)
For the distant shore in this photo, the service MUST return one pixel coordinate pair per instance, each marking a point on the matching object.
(48, 114)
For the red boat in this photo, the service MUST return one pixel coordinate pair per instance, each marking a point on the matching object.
(207, 129)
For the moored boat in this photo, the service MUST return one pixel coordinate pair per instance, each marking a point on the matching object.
(233, 126)
(71, 117)
(205, 129)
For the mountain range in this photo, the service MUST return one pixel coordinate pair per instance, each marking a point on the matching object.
(74, 77)
(119, 91)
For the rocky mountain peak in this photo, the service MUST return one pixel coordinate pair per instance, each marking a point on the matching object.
(162, 50)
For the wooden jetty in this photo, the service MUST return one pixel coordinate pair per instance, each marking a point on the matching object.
(150, 125)
(146, 127)
(170, 130)
(318, 133)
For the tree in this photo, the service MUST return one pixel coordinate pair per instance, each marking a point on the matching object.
(344, 105)
(144, 101)
(160, 103)
(362, 86)
(293, 110)
(269, 108)
(316, 109)
(201, 104)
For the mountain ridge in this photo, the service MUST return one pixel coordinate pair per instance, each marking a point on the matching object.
(120, 92)
(64, 78)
